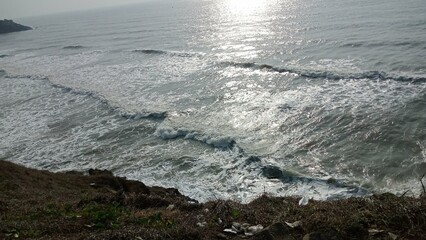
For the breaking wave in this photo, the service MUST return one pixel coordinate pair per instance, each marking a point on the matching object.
(31, 77)
(372, 75)
(74, 47)
(162, 52)
(142, 115)
(411, 44)
(273, 172)
(99, 97)
(122, 112)
(150, 51)
(217, 142)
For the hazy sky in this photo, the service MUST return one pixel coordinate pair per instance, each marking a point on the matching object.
(24, 8)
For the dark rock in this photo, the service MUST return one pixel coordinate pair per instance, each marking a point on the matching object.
(171, 193)
(252, 159)
(272, 172)
(331, 181)
(8, 26)
(105, 181)
(146, 201)
(386, 196)
(97, 172)
(73, 172)
(3, 206)
(357, 231)
(132, 186)
(102, 198)
(276, 231)
(221, 236)
(285, 107)
(324, 234)
(105, 178)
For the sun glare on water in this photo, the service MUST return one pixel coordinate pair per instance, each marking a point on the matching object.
(240, 24)
(245, 7)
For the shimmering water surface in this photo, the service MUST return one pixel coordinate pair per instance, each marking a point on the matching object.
(224, 98)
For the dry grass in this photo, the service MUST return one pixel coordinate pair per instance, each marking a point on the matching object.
(42, 205)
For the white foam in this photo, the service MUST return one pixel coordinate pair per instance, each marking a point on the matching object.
(169, 133)
(266, 114)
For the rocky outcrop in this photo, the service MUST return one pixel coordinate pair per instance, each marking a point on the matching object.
(38, 204)
(105, 178)
(8, 26)
(275, 231)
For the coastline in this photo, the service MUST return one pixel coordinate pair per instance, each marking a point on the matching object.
(36, 204)
(9, 26)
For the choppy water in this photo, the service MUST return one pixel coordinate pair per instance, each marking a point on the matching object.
(224, 99)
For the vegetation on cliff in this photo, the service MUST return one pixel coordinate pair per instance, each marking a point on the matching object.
(43, 205)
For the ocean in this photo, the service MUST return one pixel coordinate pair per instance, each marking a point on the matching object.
(224, 99)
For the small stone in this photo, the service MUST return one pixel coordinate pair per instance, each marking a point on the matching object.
(374, 231)
(170, 207)
(275, 231)
(229, 230)
(303, 201)
(219, 221)
(307, 237)
(294, 224)
(245, 226)
(315, 236)
(206, 210)
(237, 227)
(357, 230)
(324, 234)
(201, 224)
(221, 236)
(393, 236)
(252, 230)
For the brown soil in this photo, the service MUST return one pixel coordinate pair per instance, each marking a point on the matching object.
(43, 205)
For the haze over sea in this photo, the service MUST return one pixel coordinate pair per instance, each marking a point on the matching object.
(224, 98)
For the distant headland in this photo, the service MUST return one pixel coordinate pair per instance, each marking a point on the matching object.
(8, 26)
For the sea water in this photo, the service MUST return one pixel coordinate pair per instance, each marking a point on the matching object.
(224, 99)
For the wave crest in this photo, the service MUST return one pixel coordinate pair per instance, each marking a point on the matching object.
(149, 51)
(217, 142)
(74, 47)
(143, 115)
(372, 75)
(162, 52)
(31, 77)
